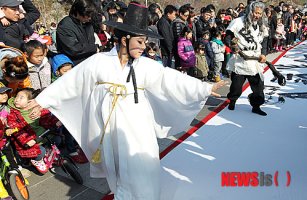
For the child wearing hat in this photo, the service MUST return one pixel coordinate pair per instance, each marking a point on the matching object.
(60, 64)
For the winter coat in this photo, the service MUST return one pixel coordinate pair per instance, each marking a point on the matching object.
(272, 26)
(286, 16)
(209, 52)
(40, 76)
(13, 34)
(76, 40)
(26, 133)
(2, 138)
(218, 51)
(177, 26)
(201, 25)
(165, 30)
(201, 66)
(280, 32)
(192, 26)
(186, 53)
(4, 111)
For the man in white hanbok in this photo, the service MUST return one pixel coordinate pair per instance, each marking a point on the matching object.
(94, 101)
(249, 31)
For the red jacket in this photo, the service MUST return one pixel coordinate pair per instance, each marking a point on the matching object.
(26, 133)
(2, 138)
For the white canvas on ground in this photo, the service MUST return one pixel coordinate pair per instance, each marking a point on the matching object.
(273, 147)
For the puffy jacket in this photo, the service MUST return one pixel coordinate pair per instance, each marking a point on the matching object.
(177, 26)
(186, 53)
(218, 51)
(40, 75)
(209, 52)
(201, 25)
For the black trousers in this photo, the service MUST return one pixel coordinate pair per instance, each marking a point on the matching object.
(257, 85)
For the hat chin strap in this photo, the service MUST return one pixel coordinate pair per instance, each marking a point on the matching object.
(131, 71)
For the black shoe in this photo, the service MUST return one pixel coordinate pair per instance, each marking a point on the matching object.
(232, 105)
(258, 111)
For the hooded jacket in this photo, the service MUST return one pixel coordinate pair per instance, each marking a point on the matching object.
(186, 53)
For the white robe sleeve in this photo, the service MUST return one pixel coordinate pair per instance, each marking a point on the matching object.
(67, 97)
(175, 99)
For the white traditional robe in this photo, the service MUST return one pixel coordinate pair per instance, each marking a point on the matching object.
(130, 152)
(250, 43)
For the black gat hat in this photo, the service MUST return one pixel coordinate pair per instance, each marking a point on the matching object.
(135, 22)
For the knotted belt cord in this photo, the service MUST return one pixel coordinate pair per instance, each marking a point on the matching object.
(113, 89)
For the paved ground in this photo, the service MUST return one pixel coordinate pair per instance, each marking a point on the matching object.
(60, 187)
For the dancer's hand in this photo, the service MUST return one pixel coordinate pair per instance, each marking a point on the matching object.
(216, 86)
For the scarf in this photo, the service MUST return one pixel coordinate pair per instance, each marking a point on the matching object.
(25, 114)
(217, 41)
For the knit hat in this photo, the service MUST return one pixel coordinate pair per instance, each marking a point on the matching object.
(58, 61)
